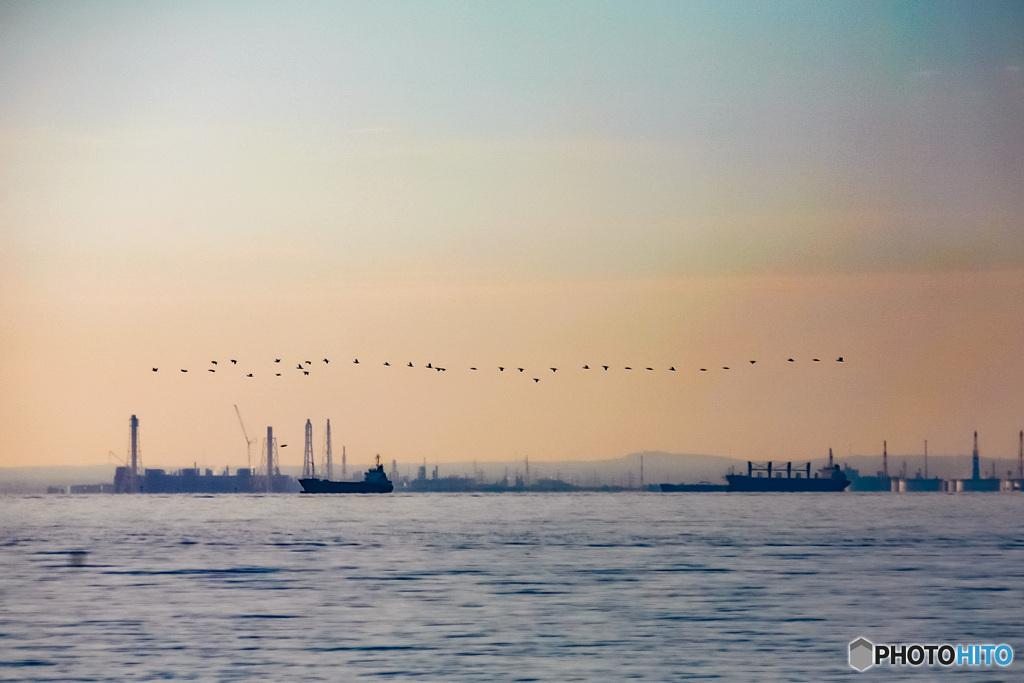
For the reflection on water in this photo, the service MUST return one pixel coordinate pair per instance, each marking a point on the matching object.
(499, 587)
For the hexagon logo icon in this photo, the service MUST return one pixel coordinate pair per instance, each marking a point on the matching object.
(862, 654)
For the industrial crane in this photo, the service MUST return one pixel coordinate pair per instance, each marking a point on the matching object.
(248, 442)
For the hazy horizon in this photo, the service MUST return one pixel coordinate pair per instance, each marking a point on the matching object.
(689, 185)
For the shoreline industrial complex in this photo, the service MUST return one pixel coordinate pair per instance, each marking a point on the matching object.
(266, 477)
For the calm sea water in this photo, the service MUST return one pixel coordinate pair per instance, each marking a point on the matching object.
(505, 587)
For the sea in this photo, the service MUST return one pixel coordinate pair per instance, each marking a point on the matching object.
(504, 587)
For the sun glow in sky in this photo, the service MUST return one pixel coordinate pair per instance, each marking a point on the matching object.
(689, 185)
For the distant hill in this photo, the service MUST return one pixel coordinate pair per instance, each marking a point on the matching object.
(658, 467)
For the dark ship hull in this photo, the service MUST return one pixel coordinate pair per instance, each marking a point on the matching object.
(375, 481)
(328, 486)
(693, 488)
(744, 484)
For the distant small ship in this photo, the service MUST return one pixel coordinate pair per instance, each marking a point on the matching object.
(375, 481)
(779, 480)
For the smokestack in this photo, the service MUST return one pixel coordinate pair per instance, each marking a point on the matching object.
(975, 466)
(308, 470)
(270, 457)
(329, 474)
(926, 458)
(135, 446)
(885, 460)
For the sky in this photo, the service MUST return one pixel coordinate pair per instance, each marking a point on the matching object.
(531, 184)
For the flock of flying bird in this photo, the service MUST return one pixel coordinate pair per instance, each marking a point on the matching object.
(306, 366)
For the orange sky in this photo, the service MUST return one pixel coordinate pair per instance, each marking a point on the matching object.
(926, 356)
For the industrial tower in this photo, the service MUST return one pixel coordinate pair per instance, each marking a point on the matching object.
(271, 451)
(308, 470)
(134, 481)
(975, 465)
(328, 466)
(126, 478)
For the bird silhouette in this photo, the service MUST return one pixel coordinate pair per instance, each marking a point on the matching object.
(429, 366)
(586, 367)
(277, 360)
(472, 368)
(155, 369)
(752, 362)
(535, 379)
(387, 364)
(184, 370)
(605, 367)
(277, 374)
(725, 367)
(672, 369)
(650, 368)
(791, 360)
(249, 375)
(817, 360)
(628, 368)
(214, 362)
(356, 361)
(519, 369)
(299, 366)
(703, 369)
(304, 372)
(410, 364)
(840, 359)
(211, 370)
(501, 369)
(234, 362)
(326, 361)
(309, 362)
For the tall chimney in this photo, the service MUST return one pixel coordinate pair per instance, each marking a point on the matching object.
(270, 458)
(885, 461)
(135, 446)
(975, 467)
(308, 469)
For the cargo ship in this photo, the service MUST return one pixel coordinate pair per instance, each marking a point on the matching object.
(375, 481)
(785, 479)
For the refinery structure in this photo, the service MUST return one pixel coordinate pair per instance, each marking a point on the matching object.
(266, 478)
(266, 475)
